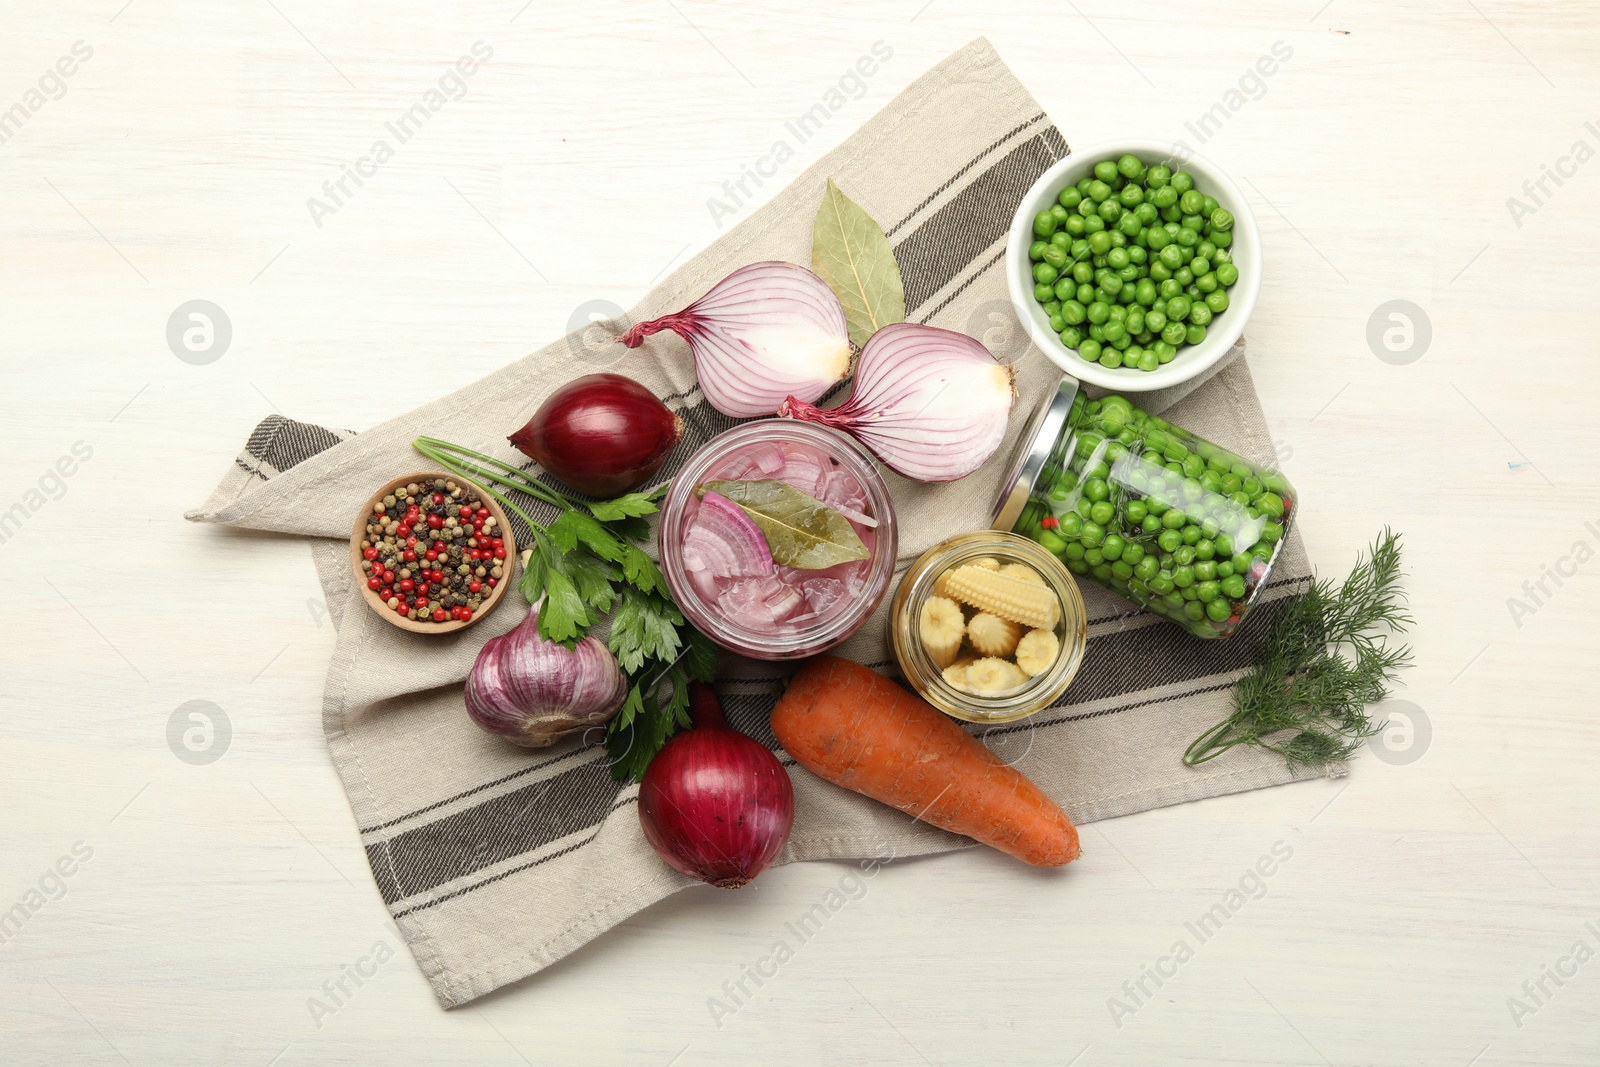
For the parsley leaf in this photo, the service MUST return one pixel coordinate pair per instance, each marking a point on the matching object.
(632, 708)
(533, 572)
(641, 571)
(630, 754)
(592, 578)
(644, 627)
(631, 529)
(678, 708)
(644, 723)
(574, 527)
(632, 746)
(700, 656)
(632, 506)
(563, 616)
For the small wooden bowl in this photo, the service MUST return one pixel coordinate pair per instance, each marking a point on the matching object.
(358, 534)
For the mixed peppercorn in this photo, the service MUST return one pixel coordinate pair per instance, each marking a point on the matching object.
(433, 552)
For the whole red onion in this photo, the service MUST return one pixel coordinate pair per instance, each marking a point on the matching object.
(715, 804)
(602, 434)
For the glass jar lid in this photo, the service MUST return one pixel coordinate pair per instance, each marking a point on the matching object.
(1033, 452)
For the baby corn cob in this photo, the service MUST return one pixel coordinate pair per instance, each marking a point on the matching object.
(993, 636)
(941, 628)
(956, 673)
(1037, 651)
(988, 563)
(993, 675)
(1034, 606)
(1023, 571)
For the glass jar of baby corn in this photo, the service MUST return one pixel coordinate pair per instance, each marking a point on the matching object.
(988, 627)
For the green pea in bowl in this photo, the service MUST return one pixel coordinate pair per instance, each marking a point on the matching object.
(1134, 265)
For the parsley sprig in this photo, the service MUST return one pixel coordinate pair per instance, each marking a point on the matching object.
(587, 564)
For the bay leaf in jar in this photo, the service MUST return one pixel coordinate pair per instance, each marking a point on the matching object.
(801, 531)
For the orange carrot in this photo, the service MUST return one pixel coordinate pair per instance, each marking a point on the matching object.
(857, 729)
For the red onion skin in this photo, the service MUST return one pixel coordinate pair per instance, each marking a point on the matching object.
(602, 434)
(715, 804)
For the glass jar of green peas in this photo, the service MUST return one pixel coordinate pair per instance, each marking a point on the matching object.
(1148, 510)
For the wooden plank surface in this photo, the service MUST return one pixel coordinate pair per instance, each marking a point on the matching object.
(208, 904)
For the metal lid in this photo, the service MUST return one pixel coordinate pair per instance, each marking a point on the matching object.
(1033, 451)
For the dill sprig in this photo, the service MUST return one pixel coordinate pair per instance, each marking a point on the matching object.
(1326, 658)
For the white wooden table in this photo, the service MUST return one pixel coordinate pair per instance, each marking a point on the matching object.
(207, 904)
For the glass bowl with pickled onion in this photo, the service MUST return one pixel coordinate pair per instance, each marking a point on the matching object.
(757, 568)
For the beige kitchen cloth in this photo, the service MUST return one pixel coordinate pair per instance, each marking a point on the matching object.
(496, 861)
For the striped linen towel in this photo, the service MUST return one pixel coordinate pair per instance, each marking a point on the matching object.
(477, 845)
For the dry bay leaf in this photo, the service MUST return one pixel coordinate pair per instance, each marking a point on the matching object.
(801, 531)
(850, 252)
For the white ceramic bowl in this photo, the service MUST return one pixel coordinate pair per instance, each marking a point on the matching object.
(1225, 329)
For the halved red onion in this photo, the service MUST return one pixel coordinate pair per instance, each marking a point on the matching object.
(724, 542)
(767, 331)
(930, 403)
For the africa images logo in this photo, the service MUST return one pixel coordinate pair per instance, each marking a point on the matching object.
(338, 192)
(52, 85)
(52, 485)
